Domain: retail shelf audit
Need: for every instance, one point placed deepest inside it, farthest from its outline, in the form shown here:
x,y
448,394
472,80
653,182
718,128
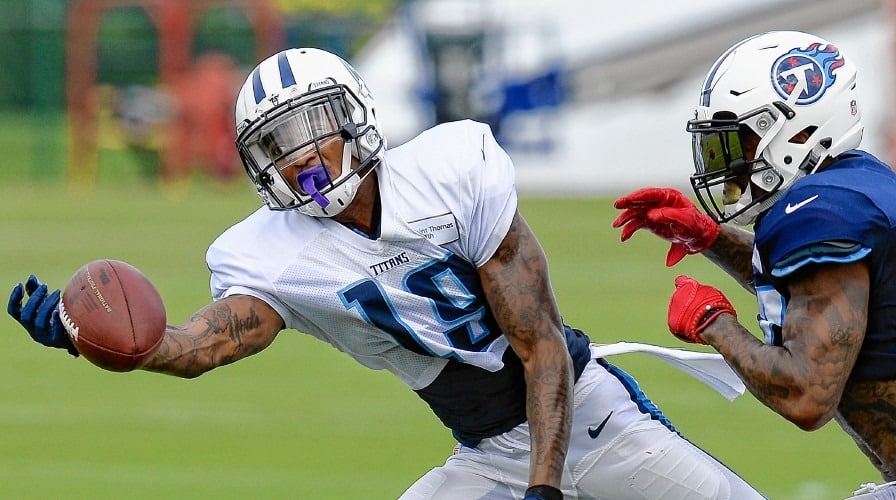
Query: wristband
x,y
709,317
543,492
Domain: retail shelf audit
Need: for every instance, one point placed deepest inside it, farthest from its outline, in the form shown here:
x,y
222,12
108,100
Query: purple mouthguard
x,y
311,181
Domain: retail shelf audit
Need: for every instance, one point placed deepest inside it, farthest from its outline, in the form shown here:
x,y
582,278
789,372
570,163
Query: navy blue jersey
x,y
476,404
843,213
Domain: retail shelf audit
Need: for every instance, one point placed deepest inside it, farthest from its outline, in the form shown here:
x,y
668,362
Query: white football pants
x,y
633,455
871,491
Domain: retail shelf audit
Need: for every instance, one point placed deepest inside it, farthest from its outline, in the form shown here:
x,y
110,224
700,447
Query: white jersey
x,y
410,300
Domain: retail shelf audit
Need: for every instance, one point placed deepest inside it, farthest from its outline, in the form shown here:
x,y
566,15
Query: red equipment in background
x,y
200,93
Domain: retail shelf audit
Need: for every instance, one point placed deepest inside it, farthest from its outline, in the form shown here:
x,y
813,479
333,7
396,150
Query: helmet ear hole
x,y
803,136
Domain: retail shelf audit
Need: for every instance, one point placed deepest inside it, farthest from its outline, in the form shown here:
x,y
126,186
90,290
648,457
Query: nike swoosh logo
x,y
595,431
789,209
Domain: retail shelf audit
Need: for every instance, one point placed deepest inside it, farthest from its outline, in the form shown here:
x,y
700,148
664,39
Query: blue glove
x,y
40,316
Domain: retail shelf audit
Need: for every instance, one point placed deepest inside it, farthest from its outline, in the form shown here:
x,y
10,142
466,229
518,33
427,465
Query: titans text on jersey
x,y
409,302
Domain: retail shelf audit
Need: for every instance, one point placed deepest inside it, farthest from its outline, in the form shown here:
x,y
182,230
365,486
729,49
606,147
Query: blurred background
x,y
116,129
588,98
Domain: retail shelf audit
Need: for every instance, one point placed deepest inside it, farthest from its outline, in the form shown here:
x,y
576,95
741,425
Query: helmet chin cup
x,y
312,181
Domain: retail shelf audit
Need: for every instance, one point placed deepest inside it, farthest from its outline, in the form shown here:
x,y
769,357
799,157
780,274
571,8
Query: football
x,y
113,314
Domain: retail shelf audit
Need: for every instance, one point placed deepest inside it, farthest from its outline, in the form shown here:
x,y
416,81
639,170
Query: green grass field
x,y
301,420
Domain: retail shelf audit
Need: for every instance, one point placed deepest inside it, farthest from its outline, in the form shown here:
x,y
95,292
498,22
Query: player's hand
x,y
694,306
670,215
40,315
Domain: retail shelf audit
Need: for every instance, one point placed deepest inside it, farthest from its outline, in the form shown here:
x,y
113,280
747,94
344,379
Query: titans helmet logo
x,y
802,76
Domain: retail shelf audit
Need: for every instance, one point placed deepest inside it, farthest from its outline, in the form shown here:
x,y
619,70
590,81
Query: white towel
x,y
709,368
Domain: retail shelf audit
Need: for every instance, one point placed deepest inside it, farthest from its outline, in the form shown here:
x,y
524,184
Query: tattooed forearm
x,y
733,252
218,334
225,321
801,383
550,416
803,378
519,293
757,364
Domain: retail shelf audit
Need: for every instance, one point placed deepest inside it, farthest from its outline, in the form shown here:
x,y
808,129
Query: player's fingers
x,y
45,311
683,279
628,215
636,198
59,336
676,252
666,215
658,227
629,229
34,301
671,219
647,197
621,203
14,308
32,284
632,200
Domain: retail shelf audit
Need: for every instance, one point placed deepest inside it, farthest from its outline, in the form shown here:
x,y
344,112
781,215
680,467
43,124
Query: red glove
x,y
694,306
671,216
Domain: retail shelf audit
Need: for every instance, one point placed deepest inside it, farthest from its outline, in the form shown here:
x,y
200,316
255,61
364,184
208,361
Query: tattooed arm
x,y
733,252
867,413
218,334
803,379
519,293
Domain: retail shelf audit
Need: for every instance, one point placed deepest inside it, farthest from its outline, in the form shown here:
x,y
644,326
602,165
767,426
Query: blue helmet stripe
x,y
710,78
257,86
287,79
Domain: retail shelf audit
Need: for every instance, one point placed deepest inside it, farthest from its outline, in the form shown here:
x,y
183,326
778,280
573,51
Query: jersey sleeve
x,y
235,271
493,197
811,226
454,174
836,252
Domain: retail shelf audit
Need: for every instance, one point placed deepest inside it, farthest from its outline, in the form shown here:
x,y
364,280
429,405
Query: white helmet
x,y
292,104
776,85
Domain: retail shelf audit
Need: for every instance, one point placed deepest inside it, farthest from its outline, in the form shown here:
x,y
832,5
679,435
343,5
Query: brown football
x,y
113,314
